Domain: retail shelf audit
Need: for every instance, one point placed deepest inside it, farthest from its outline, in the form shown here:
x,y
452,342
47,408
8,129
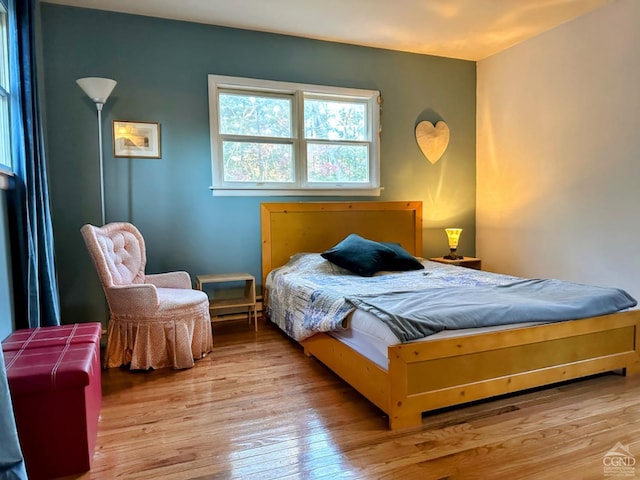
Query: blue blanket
x,y
416,314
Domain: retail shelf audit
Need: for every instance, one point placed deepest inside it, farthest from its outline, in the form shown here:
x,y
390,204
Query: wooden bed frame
x,y
423,376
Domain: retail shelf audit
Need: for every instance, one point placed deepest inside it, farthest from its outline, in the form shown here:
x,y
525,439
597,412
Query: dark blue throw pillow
x,y
359,255
365,257
402,260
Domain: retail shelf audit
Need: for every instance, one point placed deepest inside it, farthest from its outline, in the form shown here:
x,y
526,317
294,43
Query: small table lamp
x,y
453,234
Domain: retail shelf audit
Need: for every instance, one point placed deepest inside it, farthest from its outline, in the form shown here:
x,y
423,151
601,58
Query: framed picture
x,y
136,139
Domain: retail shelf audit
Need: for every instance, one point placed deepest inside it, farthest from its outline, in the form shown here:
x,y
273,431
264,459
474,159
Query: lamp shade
x,y
97,89
453,234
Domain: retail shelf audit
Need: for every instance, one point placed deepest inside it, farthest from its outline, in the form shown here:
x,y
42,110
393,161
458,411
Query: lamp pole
x,y
99,108
98,89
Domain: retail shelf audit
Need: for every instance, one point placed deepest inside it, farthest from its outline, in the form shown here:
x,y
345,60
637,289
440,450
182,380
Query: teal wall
x,y
161,67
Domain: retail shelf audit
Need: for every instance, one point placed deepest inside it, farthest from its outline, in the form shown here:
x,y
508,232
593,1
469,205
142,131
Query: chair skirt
x,y
173,338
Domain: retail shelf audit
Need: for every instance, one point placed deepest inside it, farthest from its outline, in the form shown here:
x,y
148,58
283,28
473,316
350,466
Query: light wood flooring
x,y
258,408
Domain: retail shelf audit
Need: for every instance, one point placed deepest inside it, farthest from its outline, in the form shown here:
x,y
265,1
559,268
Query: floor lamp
x,y
98,90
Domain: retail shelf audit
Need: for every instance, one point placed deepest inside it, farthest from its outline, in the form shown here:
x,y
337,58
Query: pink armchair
x,y
155,321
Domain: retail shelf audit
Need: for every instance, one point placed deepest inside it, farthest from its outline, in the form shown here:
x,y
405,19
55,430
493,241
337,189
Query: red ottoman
x,y
55,382
49,336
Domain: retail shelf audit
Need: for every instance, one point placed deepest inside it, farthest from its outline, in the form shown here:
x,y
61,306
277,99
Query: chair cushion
x,y
171,299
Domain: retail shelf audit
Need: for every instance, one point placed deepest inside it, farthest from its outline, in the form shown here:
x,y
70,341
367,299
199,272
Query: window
x,y
5,132
278,138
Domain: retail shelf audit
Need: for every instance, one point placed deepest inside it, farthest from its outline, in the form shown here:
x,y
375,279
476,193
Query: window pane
x,y
337,163
254,115
332,120
257,162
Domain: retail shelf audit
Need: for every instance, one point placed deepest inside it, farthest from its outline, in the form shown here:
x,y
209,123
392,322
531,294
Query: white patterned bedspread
x,y
307,295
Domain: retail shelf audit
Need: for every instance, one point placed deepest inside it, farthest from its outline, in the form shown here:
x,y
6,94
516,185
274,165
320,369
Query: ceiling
x,y
464,29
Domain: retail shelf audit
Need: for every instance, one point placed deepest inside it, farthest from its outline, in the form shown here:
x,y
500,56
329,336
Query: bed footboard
x,y
430,375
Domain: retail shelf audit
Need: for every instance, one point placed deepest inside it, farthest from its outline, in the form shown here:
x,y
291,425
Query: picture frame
x,y
136,139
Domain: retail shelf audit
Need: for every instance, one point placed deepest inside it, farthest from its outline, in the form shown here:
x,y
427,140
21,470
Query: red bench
x,y
55,382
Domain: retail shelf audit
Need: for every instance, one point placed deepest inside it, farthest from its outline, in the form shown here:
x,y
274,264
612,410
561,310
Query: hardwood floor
x,y
258,408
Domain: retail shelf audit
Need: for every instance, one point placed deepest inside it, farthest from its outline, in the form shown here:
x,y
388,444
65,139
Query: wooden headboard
x,y
289,228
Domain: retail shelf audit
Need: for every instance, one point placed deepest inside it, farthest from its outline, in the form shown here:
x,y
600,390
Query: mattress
x,y
368,336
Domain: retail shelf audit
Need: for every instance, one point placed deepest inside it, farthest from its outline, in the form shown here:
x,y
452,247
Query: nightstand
x,y
247,298
469,262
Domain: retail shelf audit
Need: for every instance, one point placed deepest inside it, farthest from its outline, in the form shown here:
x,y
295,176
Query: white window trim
x,y
221,82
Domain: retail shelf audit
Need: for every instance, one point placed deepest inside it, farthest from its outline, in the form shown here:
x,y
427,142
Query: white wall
x,y
558,153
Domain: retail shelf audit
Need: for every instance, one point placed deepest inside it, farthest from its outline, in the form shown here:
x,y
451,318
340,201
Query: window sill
x,y
302,192
5,176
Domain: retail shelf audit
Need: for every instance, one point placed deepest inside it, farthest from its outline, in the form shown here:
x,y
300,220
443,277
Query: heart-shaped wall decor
x,y
433,141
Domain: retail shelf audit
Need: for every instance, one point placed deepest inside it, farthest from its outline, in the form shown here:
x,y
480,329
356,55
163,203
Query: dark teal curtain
x,y
34,280
35,284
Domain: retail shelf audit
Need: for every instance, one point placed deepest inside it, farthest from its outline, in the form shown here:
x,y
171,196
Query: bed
x,y
441,372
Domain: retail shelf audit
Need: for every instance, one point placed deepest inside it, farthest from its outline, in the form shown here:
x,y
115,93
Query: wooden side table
x,y
247,299
469,262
